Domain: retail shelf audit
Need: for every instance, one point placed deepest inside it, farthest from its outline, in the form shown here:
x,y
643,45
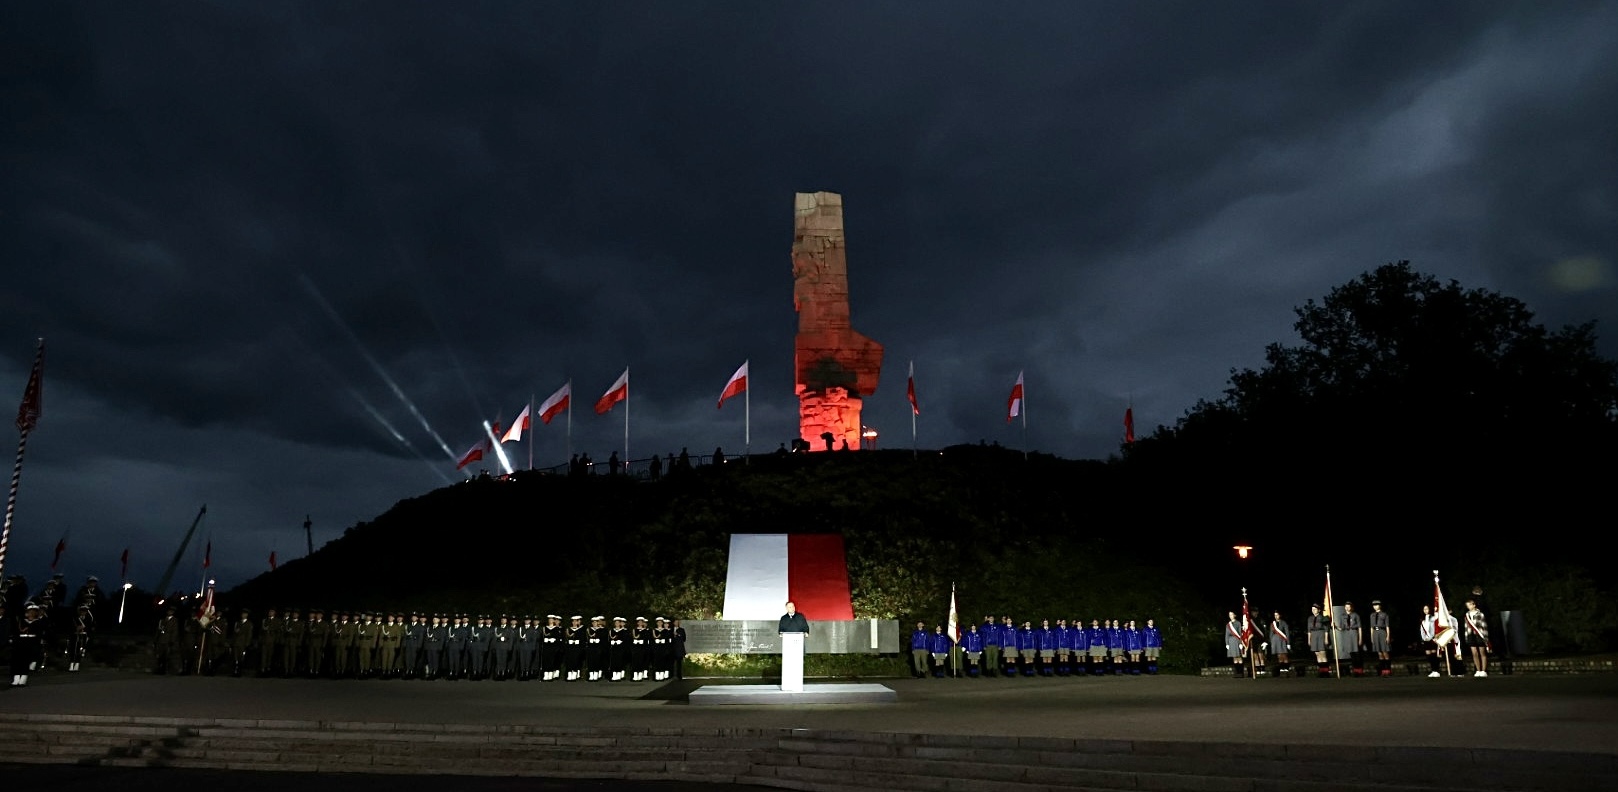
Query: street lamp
x,y
123,599
1242,551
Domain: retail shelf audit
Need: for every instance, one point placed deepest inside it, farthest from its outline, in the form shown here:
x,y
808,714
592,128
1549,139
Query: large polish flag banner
x,y
767,570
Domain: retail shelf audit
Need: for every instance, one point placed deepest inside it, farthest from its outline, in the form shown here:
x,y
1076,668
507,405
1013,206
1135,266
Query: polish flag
x,y
1443,623
737,384
556,403
910,390
767,570
1129,424
518,426
207,556
617,393
61,547
272,560
1014,404
473,454
954,629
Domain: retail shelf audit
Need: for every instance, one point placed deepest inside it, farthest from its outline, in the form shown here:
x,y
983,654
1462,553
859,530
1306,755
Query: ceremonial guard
x,y
1351,636
1429,647
166,642
481,665
504,642
1281,644
677,648
1235,644
1097,636
921,649
596,649
1153,640
640,648
662,644
457,648
991,646
294,632
573,647
388,644
1319,628
345,644
218,645
414,643
84,623
527,648
1379,639
435,641
550,647
316,642
270,631
1134,645
972,651
618,648
28,645
369,644
190,654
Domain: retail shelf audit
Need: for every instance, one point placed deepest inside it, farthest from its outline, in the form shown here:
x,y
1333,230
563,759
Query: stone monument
x,y
836,366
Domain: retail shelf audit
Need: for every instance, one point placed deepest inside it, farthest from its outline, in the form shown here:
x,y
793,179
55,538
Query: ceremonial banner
x,y
767,570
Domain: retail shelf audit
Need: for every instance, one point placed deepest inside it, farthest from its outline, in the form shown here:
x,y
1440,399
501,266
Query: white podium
x,y
792,662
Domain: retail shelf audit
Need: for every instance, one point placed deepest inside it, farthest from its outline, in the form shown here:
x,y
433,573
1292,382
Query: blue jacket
x,y
1097,635
1064,638
1047,638
920,639
973,641
1132,640
990,632
1152,638
941,643
1026,639
1115,638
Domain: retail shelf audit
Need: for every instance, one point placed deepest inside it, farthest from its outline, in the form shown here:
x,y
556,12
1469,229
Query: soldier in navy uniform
x,y
434,641
456,639
1379,639
527,648
596,648
573,647
482,648
551,641
618,648
505,642
27,645
84,622
640,649
415,640
661,644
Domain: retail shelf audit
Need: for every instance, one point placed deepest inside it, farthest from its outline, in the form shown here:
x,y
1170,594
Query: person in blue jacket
x,y
1045,636
972,644
1064,648
1152,641
1028,648
1097,638
1008,647
920,649
1115,646
941,646
1134,644
991,646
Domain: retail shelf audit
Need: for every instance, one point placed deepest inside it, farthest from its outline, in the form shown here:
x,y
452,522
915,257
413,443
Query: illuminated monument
x,y
836,367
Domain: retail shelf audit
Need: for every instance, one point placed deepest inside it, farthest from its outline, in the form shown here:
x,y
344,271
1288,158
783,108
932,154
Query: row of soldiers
x,y
441,646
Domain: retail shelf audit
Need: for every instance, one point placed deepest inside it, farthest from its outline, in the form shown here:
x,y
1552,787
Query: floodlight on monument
x,y
869,435
1243,550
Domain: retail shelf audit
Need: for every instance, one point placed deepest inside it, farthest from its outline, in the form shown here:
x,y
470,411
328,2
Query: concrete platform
x,y
824,693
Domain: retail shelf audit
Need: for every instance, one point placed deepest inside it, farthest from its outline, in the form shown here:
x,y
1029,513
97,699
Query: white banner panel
x,y
756,581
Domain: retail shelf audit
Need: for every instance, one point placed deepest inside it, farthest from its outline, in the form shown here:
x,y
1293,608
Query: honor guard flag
x,y
517,427
28,413
556,403
910,390
1443,623
617,393
1247,622
1014,403
954,619
765,571
737,384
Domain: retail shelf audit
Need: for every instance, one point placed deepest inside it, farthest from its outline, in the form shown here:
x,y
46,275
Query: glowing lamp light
x,y
1243,550
128,586
869,435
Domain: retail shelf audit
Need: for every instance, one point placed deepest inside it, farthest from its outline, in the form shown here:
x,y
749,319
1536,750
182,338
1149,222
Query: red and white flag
x,y
617,393
28,413
1129,424
910,391
272,560
517,427
207,561
1248,630
767,570
556,403
1444,631
61,547
205,611
737,384
954,628
473,454
1014,403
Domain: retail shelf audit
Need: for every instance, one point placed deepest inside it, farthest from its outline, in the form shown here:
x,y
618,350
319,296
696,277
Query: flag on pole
x,y
123,562
1248,630
205,613
207,561
737,384
272,560
617,393
1129,424
474,453
910,390
556,403
1014,403
61,547
28,413
1444,631
518,426
954,620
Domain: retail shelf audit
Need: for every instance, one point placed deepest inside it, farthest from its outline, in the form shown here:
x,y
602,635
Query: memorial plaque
x,y
760,637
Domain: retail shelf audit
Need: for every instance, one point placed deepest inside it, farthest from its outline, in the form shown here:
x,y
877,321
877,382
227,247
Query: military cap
x,y
619,618
661,619
1376,602
598,618
552,616
640,618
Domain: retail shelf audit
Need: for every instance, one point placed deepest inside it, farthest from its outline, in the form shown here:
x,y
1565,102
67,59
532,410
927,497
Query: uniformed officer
x,y
387,646
84,622
242,634
270,631
505,642
596,649
1350,637
166,642
662,648
551,637
482,648
527,648
27,645
1379,639
618,648
294,631
317,643
344,642
1319,627
434,641
573,648
414,644
640,649
457,641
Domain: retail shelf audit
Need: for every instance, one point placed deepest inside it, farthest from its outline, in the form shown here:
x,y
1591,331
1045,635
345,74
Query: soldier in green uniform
x,y
316,642
294,631
241,642
344,640
166,642
387,646
270,631
368,637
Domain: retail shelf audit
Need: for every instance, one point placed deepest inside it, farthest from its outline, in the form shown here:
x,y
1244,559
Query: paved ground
x,y
57,778
1576,713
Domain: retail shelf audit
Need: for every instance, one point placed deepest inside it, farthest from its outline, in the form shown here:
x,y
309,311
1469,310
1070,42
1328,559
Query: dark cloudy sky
x,y
219,214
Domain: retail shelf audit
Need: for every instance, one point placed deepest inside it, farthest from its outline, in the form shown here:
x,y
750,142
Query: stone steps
x,y
787,758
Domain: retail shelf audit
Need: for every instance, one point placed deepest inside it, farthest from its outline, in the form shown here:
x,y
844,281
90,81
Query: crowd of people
x,y
1350,643
362,645
1007,650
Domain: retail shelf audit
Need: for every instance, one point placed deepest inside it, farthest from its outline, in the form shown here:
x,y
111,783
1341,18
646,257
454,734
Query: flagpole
x,y
911,388
747,412
27,415
570,422
530,430
626,420
1336,655
1024,412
